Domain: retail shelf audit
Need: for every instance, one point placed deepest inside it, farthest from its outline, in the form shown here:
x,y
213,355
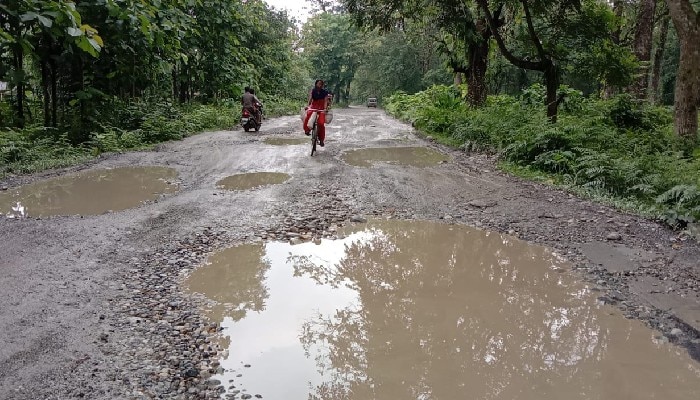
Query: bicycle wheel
x,y
314,139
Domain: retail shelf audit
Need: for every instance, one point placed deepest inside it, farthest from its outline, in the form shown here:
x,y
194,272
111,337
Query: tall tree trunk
x,y
184,80
174,80
608,90
658,60
687,93
552,80
54,91
338,95
45,84
618,7
643,40
18,65
476,75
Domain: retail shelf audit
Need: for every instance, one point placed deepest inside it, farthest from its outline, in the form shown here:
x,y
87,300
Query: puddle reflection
x,y
428,311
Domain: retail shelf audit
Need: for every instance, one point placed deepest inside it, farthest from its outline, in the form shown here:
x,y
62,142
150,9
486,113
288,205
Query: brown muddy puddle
x,y
412,156
91,192
422,310
276,141
252,180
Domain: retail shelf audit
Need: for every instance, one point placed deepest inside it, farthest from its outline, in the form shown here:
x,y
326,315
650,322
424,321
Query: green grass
x,y
614,150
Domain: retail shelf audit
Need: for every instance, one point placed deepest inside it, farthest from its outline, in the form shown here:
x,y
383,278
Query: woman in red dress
x,y
318,102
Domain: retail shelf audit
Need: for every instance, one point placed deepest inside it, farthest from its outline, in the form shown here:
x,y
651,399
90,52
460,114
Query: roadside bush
x,y
38,148
21,151
609,148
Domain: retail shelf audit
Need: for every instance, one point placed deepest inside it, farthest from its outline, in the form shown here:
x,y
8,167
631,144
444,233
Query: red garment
x,y
320,121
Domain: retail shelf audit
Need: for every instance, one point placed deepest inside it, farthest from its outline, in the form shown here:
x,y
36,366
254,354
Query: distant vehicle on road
x,y
372,102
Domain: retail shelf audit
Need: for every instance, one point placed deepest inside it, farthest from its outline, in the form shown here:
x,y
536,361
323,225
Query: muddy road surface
x,y
234,265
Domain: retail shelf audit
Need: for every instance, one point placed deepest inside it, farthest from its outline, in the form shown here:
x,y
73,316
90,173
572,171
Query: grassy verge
x,y
612,150
126,128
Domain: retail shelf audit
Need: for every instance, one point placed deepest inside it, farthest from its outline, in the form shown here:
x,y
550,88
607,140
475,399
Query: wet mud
x,y
90,193
408,309
411,156
252,180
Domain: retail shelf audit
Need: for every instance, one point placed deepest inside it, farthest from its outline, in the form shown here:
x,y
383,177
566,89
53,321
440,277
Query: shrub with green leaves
x,y
614,148
38,148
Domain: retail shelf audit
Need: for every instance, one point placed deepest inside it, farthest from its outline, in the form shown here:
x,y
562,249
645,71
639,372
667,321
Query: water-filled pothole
x,y
413,156
252,180
277,141
422,310
91,192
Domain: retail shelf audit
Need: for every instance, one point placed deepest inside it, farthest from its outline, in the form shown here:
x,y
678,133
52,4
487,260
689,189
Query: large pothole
x,y
277,141
91,192
407,309
252,180
412,156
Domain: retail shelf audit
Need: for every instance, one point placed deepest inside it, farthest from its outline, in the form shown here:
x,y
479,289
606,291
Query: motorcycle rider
x,y
318,101
258,106
250,103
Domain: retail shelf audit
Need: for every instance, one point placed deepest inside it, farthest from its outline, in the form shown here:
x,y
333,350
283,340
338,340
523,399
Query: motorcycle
x,y
250,121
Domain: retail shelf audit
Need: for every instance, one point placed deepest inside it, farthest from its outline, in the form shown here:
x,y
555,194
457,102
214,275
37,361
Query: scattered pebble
x,y
613,236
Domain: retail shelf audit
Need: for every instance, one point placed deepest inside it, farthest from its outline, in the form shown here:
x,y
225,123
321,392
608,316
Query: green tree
x,y
554,34
687,93
37,29
332,46
459,30
400,60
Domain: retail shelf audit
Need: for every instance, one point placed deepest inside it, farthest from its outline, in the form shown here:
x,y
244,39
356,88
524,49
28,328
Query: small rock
x,y
358,219
246,396
482,203
676,332
614,236
214,382
3,188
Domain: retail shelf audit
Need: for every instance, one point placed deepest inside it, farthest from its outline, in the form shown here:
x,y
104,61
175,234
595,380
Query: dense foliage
x,y
615,148
103,75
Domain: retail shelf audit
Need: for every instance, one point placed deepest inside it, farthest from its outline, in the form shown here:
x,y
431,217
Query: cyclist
x,y
318,102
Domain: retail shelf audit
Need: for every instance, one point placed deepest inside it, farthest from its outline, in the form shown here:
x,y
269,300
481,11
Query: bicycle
x,y
314,132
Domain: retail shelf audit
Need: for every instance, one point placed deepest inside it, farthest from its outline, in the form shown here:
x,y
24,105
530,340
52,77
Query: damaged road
x,y
93,305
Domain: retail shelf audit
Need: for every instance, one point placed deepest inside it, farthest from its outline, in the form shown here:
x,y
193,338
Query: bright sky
x,y
296,8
